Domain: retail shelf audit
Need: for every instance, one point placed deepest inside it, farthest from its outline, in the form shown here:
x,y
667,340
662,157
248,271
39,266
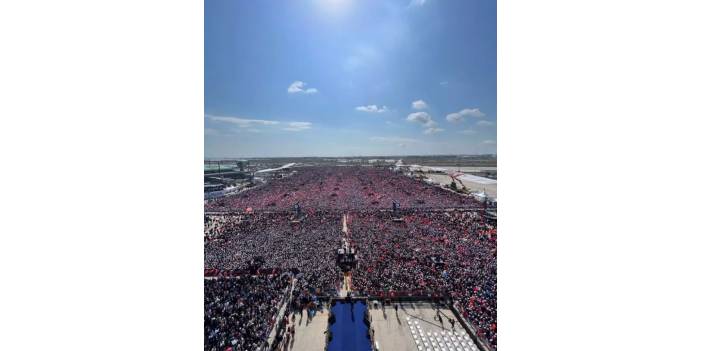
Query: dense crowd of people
x,y
240,312
447,253
440,247
261,241
342,188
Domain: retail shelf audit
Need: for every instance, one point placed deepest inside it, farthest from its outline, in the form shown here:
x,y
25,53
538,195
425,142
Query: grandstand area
x,y
417,263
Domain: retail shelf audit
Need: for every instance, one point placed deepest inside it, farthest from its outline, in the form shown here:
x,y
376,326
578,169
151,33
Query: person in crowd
x,y
239,312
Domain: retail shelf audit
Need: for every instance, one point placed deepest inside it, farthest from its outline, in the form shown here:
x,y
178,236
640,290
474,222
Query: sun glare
x,y
335,7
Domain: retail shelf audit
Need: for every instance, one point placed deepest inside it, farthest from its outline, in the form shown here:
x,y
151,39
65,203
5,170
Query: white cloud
x,y
467,132
299,87
489,142
472,112
444,83
419,105
298,126
425,120
484,123
459,116
433,130
248,124
242,122
454,117
421,118
372,109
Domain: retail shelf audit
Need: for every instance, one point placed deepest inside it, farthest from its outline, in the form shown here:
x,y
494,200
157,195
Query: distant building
x,y
213,187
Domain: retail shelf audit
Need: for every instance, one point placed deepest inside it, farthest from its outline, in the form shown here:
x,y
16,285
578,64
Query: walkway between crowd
x,y
344,228
346,280
281,312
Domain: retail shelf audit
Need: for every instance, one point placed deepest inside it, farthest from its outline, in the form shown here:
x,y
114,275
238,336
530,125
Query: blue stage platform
x,y
349,332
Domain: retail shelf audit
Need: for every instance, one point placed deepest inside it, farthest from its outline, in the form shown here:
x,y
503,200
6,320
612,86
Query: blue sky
x,y
346,78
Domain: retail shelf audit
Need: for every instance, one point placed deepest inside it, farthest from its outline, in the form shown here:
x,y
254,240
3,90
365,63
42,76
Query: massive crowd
x,y
240,312
342,188
439,248
261,241
447,253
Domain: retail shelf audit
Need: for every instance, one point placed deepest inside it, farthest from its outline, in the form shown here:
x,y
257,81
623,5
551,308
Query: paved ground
x,y
346,282
460,169
310,337
344,228
490,189
393,332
